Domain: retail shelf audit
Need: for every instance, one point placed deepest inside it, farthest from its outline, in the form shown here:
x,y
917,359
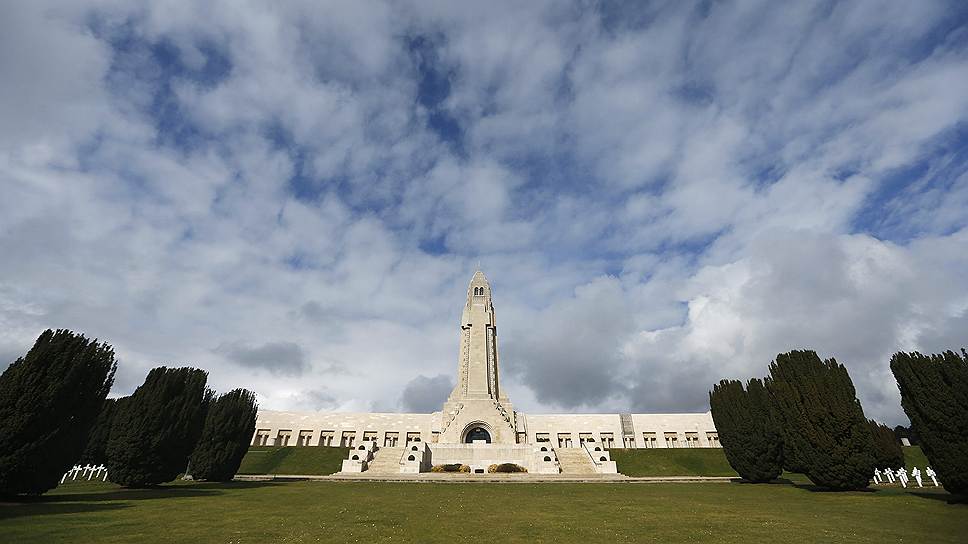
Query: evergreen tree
x,y
792,461
821,419
887,449
157,428
225,439
747,431
49,400
97,439
934,395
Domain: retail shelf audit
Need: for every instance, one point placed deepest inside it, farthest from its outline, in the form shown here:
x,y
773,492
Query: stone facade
x,y
477,424
560,430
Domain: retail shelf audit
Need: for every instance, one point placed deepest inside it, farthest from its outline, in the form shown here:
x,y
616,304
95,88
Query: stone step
x,y
386,461
575,461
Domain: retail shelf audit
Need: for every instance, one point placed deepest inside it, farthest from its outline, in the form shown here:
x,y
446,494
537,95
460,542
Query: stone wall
x,y
392,429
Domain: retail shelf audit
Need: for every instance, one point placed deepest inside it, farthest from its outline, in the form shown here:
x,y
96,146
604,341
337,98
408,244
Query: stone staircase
x,y
386,461
575,461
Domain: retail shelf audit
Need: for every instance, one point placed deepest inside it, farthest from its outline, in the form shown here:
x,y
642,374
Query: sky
x,y
295,195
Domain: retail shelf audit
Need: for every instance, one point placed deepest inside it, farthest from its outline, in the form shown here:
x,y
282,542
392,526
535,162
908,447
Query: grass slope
x,y
638,462
292,460
914,457
672,462
243,512
704,462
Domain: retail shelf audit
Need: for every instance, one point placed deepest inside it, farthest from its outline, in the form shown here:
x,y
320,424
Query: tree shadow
x,y
199,489
940,496
817,489
778,481
125,494
21,509
238,484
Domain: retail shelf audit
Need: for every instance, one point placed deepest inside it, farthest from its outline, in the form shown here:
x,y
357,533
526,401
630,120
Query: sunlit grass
x,y
311,511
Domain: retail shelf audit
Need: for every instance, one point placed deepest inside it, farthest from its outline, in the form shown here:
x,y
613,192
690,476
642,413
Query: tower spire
x,y
478,392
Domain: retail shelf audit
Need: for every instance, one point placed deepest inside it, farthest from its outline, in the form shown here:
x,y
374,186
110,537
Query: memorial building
x,y
478,426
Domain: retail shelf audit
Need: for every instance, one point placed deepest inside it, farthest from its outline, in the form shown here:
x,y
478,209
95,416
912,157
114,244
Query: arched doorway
x,y
477,433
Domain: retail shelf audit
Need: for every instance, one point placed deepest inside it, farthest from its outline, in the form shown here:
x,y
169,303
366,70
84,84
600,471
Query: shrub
x,y
506,468
157,428
887,449
97,439
821,419
747,430
455,467
225,438
934,395
49,401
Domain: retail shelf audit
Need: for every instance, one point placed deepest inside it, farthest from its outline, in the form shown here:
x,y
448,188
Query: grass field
x,y
283,460
421,512
240,512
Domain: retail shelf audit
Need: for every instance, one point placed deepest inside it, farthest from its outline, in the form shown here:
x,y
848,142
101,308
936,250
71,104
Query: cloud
x,y
423,394
314,400
854,298
570,353
279,358
50,79
661,195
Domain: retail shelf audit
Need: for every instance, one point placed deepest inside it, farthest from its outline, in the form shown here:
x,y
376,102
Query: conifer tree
x,y
821,419
747,430
155,431
225,439
97,439
49,400
887,449
934,395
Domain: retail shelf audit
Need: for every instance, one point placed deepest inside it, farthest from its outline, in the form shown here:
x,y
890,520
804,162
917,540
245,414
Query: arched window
x,y
547,458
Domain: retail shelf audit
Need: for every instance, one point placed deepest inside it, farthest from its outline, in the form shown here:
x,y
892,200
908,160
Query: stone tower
x,y
477,407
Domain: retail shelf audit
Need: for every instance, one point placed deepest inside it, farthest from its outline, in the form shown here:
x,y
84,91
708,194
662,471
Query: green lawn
x,y
672,462
704,462
243,512
914,457
292,460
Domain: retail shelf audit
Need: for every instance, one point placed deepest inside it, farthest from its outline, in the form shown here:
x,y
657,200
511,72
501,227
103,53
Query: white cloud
x,y
660,198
